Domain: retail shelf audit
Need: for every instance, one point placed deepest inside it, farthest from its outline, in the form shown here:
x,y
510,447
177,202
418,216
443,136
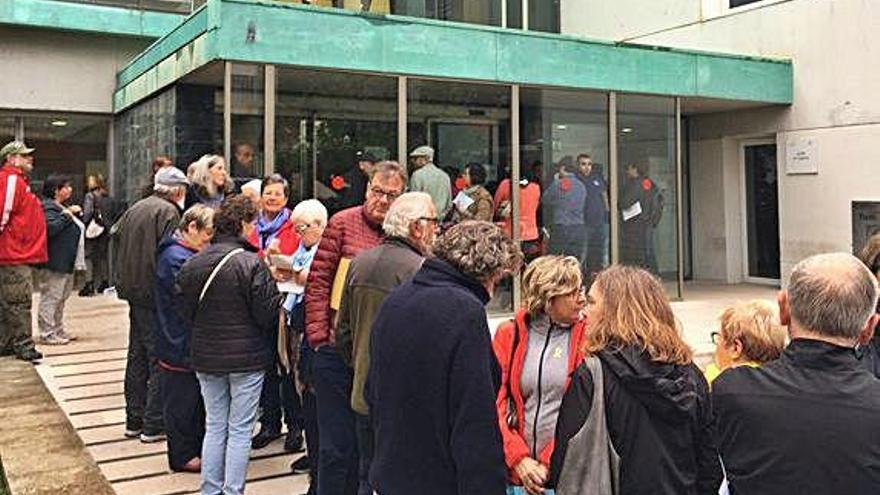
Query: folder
x,y
339,284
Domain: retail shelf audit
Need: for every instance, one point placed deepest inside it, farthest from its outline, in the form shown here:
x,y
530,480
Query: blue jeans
x,y
231,401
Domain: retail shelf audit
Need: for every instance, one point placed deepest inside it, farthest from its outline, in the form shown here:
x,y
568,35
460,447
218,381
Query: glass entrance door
x,y
762,212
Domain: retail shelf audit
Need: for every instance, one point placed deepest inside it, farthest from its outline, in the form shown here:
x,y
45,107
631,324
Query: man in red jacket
x,y
348,233
22,244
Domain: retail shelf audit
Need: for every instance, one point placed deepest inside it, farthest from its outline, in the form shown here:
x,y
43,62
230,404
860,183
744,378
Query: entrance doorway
x,y
761,205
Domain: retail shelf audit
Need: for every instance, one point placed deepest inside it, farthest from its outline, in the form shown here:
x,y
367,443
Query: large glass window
x,y
142,132
199,115
7,128
564,167
468,127
70,144
323,120
248,106
648,195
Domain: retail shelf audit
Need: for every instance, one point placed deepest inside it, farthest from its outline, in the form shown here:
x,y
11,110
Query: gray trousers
x,y
54,288
16,288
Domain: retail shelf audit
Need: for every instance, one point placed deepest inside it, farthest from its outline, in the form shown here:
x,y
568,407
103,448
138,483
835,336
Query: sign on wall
x,y
865,222
801,156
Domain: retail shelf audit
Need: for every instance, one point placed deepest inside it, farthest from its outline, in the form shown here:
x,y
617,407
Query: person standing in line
x,y
529,201
64,233
160,162
809,422
309,218
95,215
230,301
636,419
352,185
183,408
276,235
596,215
410,227
433,377
538,350
22,244
565,197
480,206
641,207
137,234
349,232
210,182
427,177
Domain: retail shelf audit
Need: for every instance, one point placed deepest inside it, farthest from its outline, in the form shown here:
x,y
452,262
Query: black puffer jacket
x,y
233,325
660,421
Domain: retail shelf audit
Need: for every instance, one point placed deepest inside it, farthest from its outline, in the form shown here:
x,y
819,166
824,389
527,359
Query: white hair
x,y
408,208
309,211
199,173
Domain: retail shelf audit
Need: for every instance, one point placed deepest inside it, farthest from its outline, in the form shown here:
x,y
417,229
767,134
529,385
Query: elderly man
x,y
348,233
22,244
809,422
428,178
433,376
410,227
137,235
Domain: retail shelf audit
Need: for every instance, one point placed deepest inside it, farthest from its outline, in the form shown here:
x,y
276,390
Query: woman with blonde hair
x,y
750,335
538,350
210,181
636,418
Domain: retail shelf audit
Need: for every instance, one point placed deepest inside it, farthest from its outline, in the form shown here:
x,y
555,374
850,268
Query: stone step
x,y
95,419
124,449
93,379
91,392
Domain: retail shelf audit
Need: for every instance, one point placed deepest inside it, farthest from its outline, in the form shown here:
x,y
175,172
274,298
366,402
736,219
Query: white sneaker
x,y
54,340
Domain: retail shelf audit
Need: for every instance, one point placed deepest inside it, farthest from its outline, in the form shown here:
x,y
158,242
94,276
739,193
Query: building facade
x,y
522,87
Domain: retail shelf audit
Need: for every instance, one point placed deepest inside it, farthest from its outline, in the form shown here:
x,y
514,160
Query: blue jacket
x,y
172,334
431,389
63,238
566,197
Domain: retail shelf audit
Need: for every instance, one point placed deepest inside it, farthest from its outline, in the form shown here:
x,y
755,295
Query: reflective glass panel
x,y
647,185
248,107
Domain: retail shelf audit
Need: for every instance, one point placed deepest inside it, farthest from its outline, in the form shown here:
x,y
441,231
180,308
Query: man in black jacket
x,y
433,376
809,422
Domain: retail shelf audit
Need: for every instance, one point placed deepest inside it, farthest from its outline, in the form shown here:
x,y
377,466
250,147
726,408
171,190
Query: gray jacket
x,y
371,276
136,237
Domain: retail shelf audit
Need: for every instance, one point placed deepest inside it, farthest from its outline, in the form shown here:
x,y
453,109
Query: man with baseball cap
x,y
428,178
22,244
137,235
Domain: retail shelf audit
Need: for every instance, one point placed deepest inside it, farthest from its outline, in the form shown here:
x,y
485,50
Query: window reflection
x,y
248,107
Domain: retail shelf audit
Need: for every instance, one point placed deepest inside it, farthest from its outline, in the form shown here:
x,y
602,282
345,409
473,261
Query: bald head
x,y
832,295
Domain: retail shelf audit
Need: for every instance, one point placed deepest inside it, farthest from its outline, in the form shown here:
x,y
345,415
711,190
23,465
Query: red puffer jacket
x,y
348,233
515,448
22,223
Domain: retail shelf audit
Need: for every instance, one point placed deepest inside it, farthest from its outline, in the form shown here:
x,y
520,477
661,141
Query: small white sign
x,y
801,156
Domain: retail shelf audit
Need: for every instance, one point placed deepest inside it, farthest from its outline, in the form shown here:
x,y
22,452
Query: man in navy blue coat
x,y
433,376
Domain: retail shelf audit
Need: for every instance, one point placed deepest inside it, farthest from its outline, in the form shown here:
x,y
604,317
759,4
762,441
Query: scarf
x,y
267,230
302,260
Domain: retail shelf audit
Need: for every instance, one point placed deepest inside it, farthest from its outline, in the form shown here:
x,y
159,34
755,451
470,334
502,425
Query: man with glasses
x,y
348,233
410,227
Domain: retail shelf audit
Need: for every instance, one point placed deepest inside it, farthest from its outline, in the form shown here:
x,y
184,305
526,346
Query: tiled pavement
x,y
86,378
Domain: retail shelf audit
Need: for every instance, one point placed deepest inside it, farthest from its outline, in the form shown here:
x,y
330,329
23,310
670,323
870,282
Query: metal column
x,y
613,182
514,182
269,120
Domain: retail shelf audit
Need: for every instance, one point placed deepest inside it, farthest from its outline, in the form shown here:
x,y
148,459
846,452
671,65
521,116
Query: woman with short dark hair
x,y
55,278
474,202
230,301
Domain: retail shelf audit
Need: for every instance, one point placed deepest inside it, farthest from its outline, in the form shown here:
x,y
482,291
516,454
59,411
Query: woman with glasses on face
x,y
537,352
637,417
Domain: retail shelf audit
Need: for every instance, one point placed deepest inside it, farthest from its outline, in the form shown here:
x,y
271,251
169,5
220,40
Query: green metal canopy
x,y
298,35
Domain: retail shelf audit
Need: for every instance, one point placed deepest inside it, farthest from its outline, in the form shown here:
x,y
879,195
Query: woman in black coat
x,y
230,301
654,434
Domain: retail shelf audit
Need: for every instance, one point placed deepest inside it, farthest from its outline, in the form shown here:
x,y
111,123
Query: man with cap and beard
x,y
22,244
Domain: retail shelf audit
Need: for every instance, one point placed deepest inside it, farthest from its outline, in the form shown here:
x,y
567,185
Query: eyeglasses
x,y
302,227
391,195
713,336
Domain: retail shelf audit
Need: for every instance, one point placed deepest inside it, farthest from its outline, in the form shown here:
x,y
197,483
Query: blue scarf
x,y
267,230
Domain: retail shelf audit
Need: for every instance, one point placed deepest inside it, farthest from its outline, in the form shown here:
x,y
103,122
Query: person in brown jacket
x,y
474,202
348,233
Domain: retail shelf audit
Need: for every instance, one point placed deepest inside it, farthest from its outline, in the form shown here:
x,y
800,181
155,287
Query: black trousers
x,y
143,402
184,414
365,453
338,461
309,414
279,396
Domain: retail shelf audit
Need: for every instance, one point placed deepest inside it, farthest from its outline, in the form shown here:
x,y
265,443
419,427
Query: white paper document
x,y
632,212
462,201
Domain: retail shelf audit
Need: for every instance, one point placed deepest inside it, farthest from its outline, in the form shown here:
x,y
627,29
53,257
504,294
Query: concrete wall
x,y
621,19
62,71
835,102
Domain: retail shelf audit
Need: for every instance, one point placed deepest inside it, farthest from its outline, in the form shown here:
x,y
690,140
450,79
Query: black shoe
x,y
88,290
293,442
29,354
264,438
301,466
101,288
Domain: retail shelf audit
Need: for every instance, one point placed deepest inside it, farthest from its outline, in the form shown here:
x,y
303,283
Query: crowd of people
x,y
365,336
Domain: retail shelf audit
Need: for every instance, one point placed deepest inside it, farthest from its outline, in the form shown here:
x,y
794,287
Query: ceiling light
x,y
59,123
626,130
562,127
